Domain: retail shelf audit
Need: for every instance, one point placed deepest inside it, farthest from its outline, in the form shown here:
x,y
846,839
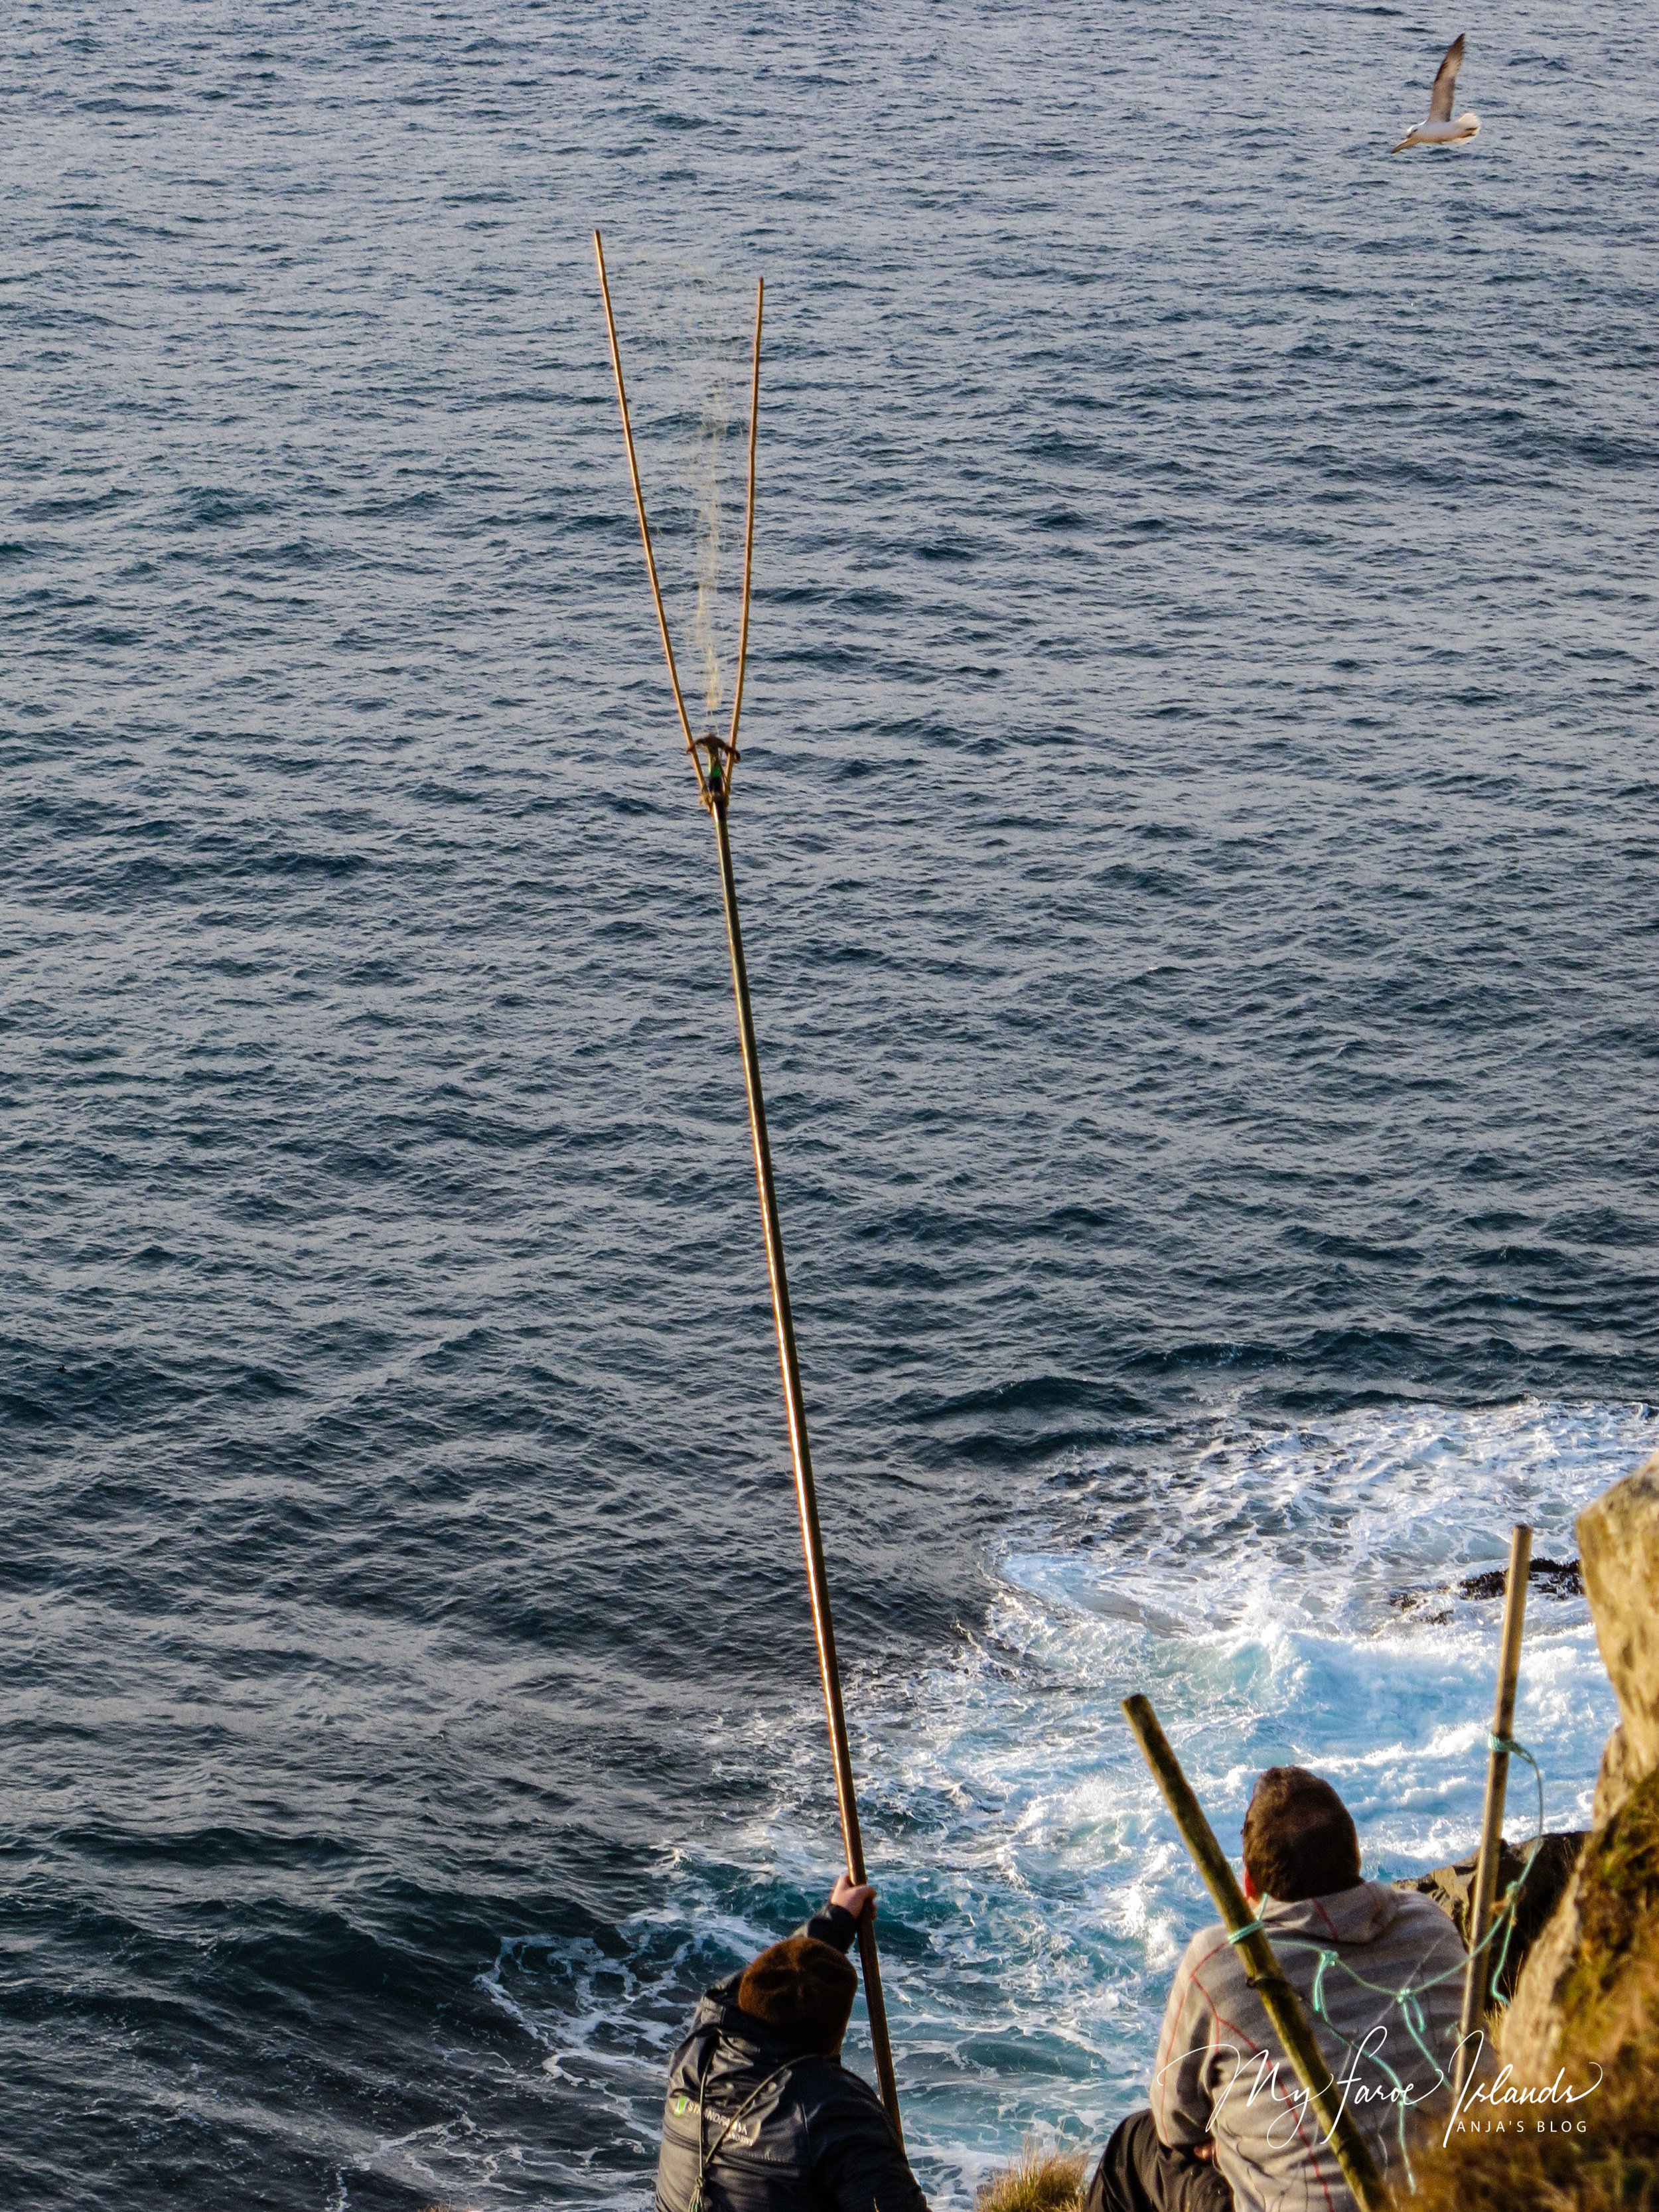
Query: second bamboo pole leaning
x,y
1476,1978
1278,2000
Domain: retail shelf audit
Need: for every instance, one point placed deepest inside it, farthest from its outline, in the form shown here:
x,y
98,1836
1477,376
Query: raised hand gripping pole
x,y
714,787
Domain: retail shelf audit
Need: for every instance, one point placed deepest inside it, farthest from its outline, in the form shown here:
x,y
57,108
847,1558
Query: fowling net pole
x,y
714,759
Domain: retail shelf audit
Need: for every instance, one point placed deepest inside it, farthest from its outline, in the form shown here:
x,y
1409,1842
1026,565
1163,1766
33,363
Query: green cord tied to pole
x,y
1408,2001
1512,1749
1506,1913
1351,2151
1483,1895
1264,1974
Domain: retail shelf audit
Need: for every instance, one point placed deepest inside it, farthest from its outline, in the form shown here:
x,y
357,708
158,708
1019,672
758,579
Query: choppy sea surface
x,y
1196,835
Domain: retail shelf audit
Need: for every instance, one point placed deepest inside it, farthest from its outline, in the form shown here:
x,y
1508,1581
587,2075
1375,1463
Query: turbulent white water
x,y
1287,1596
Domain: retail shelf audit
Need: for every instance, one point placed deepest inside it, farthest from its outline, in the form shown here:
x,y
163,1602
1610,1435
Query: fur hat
x,y
802,1989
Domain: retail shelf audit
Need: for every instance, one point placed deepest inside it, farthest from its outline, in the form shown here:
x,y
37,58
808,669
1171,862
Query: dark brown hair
x,y
1299,1839
803,1990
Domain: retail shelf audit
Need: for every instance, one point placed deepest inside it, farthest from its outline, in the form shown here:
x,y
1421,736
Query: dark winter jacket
x,y
783,2130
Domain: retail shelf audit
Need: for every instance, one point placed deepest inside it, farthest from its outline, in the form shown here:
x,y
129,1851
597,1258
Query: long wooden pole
x,y
801,1453
714,789
1491,1821
1278,1999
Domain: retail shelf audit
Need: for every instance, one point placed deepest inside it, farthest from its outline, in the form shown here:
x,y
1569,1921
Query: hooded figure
x,y
762,2115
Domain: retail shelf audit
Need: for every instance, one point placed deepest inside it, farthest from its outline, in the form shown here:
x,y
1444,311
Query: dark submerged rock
x,y
1541,1866
1549,1577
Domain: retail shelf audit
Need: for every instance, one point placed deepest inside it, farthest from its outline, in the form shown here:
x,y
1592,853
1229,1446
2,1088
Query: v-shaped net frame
x,y
714,778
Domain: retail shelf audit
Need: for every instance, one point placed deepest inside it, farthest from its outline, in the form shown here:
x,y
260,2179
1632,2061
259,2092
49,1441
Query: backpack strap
x,y
707,2152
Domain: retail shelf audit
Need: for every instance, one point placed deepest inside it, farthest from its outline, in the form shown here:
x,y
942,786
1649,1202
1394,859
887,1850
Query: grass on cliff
x,y
1038,2181
1610,2020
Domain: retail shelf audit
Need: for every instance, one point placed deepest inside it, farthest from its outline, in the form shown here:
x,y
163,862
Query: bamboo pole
x,y
1498,1775
806,1491
715,790
1278,1999
639,503
748,522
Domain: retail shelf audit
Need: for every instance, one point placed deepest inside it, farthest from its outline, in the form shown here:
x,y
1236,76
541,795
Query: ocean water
x,y
1197,841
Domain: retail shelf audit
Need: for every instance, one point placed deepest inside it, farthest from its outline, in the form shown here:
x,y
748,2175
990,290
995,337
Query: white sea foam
x,y
1285,1596
1281,1596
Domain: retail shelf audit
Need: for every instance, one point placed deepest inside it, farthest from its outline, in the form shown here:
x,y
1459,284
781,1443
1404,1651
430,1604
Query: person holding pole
x,y
762,2115
1228,2126
714,759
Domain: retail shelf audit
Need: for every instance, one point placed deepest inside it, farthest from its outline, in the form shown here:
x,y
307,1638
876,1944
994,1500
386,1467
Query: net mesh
x,y
686,334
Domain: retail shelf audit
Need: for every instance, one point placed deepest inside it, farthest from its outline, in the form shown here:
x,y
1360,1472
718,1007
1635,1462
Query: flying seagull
x,y
1441,128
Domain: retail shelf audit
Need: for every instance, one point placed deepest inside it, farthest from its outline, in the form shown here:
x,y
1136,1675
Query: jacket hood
x,y
1358,1915
745,2039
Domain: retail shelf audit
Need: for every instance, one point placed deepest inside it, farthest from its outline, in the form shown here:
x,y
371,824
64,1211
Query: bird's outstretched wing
x,y
1445,83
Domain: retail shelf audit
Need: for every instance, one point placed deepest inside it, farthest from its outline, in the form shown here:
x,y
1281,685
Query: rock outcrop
x,y
1619,1545
1619,1534
1576,2127
1542,1866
